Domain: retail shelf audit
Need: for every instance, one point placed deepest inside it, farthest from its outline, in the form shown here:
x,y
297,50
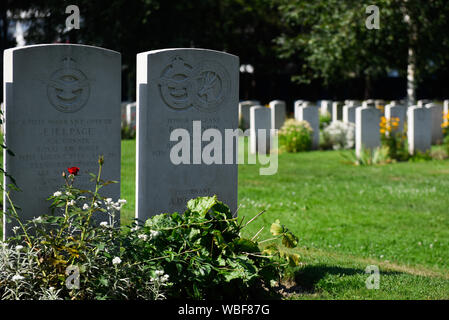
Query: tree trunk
x,y
411,82
411,60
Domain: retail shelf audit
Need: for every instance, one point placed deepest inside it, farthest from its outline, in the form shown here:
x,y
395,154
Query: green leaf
x,y
276,228
289,240
245,245
202,204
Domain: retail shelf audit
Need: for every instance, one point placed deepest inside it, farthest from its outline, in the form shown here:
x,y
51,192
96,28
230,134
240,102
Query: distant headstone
x,y
353,102
446,107
349,113
123,112
278,114
418,129
326,107
337,111
436,118
131,115
296,105
369,103
183,94
260,125
62,109
423,102
311,115
397,111
244,107
367,135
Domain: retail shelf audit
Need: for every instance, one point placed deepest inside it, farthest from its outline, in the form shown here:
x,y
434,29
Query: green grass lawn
x,y
347,217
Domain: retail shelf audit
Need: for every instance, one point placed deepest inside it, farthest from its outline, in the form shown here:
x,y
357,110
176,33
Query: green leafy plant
x,y
325,120
198,254
394,140
295,136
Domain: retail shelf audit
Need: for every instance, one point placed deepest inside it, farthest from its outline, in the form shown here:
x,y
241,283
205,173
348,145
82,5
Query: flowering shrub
x,y
199,254
395,142
339,135
295,136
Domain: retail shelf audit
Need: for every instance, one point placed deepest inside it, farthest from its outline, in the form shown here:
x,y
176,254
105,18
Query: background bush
x,y
295,136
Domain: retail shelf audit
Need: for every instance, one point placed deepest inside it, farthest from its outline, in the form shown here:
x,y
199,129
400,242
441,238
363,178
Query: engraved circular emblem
x,y
175,84
211,86
68,88
205,87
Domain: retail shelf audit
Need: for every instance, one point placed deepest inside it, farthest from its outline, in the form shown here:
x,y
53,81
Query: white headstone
x,y
244,107
418,129
181,94
131,115
367,128
446,107
62,109
326,107
436,116
278,114
260,125
123,111
337,111
311,115
397,111
349,113
423,102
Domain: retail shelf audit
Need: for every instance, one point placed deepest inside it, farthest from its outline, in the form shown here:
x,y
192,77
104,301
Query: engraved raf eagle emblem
x,y
68,88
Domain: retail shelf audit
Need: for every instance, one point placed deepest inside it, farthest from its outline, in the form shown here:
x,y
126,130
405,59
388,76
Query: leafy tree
x,y
332,38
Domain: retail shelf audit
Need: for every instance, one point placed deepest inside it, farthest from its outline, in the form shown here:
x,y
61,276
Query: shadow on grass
x,y
307,277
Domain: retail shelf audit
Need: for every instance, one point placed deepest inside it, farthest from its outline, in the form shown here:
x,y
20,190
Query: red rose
x,y
73,170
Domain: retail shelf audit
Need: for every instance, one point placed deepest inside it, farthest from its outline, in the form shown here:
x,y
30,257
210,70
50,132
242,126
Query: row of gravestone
x,y
62,109
424,120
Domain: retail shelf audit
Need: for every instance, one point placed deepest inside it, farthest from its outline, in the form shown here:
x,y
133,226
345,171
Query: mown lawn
x,y
347,217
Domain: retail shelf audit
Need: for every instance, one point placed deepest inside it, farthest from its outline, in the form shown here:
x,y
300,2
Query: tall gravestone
x,y
446,107
62,109
123,112
310,114
278,114
337,111
367,128
244,107
183,94
326,108
349,113
419,133
436,120
397,111
296,105
260,125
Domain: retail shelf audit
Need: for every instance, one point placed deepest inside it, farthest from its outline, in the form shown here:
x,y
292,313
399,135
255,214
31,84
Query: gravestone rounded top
x,y
190,77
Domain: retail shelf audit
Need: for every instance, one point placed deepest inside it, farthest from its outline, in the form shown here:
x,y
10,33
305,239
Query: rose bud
x,y
73,170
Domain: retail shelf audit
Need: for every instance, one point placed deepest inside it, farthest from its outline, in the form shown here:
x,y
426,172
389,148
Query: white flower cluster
x,y
341,134
160,276
111,205
116,261
153,235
